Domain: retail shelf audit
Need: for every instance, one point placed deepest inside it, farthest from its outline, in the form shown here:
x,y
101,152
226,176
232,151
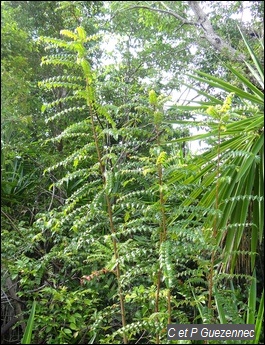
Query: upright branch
x,y
110,214
163,224
93,107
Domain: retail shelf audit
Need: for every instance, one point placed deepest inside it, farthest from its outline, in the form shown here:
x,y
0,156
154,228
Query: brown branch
x,y
13,293
8,325
210,35
167,11
12,223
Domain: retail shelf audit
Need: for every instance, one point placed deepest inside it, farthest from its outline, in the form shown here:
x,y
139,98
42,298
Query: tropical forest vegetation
x,y
132,169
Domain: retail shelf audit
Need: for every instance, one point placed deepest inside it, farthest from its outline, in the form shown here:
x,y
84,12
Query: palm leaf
x,y
28,331
259,320
240,153
255,60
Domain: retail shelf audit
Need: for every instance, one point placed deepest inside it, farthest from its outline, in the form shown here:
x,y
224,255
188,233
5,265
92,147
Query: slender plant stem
x,y
215,218
163,235
169,306
112,228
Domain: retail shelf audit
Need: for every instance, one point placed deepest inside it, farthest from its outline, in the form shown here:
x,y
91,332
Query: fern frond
x,y
79,155
55,103
62,114
58,84
57,60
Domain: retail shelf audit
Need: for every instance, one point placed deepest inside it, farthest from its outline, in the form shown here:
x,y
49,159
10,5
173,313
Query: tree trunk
x,y
203,23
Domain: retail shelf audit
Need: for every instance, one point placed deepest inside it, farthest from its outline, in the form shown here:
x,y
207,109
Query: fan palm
x,y
230,174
